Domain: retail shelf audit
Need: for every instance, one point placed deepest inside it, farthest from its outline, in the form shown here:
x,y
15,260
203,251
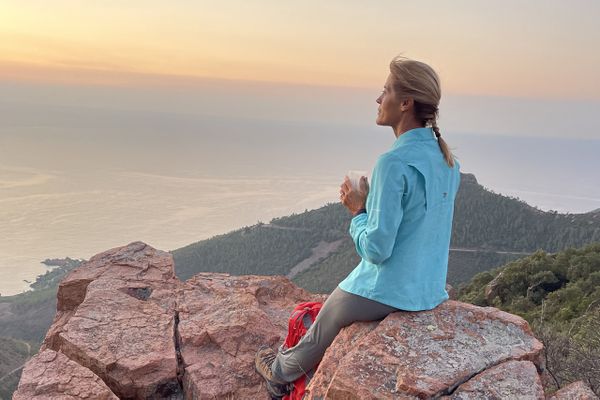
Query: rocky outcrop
x,y
508,380
127,328
427,354
492,289
125,319
574,391
52,375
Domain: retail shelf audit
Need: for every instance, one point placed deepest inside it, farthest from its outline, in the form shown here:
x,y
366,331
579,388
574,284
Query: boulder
x,y
574,391
507,380
126,319
423,354
223,320
127,328
52,376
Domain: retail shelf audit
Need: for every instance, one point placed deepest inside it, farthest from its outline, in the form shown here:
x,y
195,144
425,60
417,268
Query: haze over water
x,y
80,180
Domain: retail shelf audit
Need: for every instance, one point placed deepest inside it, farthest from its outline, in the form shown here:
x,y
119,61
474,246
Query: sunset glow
x,y
538,49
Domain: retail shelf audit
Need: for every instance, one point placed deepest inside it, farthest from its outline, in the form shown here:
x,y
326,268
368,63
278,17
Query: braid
x,y
448,156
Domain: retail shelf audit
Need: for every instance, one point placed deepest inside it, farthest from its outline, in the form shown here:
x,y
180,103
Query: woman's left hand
x,y
352,198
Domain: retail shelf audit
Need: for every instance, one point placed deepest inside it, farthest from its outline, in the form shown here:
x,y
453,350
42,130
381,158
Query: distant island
x,y
62,262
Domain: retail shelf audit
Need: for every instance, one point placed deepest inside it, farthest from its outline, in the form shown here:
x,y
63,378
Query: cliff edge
x,y
127,328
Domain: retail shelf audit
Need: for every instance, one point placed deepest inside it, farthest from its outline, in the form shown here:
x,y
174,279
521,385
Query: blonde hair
x,y
420,82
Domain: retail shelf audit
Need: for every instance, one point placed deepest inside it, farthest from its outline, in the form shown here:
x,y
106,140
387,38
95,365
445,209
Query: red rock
x,y
345,340
223,320
136,261
130,325
508,380
452,294
147,335
117,317
52,376
574,391
126,341
427,353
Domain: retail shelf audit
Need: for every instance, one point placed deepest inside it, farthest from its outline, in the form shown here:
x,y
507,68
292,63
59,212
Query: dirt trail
x,y
20,366
285,228
490,251
322,250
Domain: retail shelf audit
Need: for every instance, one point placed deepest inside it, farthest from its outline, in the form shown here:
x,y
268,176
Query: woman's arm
x,y
374,232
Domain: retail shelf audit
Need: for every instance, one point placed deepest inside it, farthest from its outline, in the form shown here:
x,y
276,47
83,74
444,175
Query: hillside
x,y
24,321
559,295
12,357
487,220
489,230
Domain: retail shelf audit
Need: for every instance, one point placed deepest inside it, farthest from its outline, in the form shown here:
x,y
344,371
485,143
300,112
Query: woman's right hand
x,y
354,199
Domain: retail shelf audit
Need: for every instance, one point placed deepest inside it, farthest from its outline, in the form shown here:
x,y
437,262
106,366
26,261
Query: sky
x,y
507,67
539,48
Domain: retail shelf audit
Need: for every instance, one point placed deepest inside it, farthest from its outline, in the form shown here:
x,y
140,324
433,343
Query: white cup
x,y
354,177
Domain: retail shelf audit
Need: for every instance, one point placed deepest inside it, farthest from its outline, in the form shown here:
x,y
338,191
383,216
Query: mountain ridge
x,y
494,229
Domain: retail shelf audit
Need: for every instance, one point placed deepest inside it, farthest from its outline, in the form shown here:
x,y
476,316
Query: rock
x,y
52,376
223,320
492,288
128,342
423,354
508,380
146,335
574,391
468,178
451,292
109,320
347,339
127,327
136,261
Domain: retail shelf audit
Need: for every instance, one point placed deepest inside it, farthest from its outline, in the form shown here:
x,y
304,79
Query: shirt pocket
x,y
437,189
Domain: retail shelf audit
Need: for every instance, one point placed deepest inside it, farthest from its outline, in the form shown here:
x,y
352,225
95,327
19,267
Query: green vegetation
x,y
24,321
559,295
462,265
324,276
262,249
486,220
565,283
13,355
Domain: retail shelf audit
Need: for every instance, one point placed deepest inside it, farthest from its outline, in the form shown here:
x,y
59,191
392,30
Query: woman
x,y
401,226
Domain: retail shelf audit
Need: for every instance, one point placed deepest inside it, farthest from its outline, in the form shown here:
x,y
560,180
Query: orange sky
x,y
543,48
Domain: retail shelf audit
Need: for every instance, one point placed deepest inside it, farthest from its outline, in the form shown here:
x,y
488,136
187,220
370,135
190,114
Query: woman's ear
x,y
407,104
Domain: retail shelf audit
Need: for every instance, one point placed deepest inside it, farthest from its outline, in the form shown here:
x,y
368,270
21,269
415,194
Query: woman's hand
x,y
354,199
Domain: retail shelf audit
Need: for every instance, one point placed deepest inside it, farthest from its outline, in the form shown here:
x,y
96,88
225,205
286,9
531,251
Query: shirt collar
x,y
414,135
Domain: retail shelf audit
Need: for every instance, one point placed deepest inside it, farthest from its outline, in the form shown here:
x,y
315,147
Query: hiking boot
x,y
263,362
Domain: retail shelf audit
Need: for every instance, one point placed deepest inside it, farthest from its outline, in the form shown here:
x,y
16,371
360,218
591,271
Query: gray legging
x,y
340,309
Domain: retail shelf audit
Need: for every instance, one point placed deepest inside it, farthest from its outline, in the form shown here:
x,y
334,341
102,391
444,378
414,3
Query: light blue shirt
x,y
404,238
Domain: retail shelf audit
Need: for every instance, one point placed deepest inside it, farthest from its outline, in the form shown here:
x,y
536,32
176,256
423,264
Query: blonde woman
x,y
400,226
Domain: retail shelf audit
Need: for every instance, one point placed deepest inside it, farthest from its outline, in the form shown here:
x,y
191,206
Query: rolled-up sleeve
x,y
374,232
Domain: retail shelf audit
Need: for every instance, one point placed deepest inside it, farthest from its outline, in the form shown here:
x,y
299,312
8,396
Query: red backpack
x,y
301,319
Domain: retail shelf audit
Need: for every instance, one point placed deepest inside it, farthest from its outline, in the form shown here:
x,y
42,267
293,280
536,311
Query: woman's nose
x,y
378,100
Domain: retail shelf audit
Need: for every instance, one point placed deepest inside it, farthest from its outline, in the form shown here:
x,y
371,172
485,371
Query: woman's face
x,y
389,112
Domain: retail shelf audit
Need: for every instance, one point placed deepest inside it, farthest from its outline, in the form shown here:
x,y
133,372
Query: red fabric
x,y
296,330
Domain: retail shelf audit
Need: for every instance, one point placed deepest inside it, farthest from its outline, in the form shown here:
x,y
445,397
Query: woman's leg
x,y
340,309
